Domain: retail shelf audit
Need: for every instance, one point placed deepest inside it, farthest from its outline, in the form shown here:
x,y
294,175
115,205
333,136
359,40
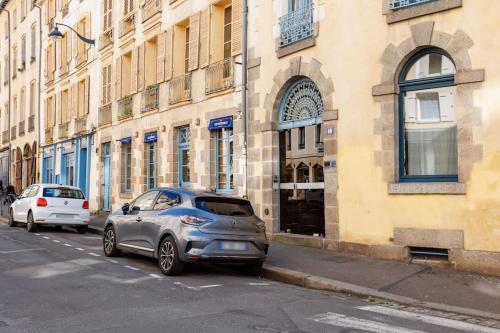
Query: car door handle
x,y
138,219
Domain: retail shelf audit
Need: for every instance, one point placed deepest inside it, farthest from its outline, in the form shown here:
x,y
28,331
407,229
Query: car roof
x,y
196,193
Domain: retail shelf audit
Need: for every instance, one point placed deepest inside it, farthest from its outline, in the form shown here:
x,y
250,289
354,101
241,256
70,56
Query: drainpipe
x,y
39,84
244,85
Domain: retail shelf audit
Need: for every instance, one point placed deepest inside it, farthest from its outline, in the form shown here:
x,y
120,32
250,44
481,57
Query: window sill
x,y
421,10
295,47
427,188
125,195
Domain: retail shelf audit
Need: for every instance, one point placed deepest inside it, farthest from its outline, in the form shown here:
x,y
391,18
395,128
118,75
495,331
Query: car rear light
x,y
41,202
194,220
85,205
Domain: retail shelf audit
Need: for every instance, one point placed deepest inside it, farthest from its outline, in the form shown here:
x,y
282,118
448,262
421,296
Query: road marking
x,y
132,268
444,322
259,284
79,249
156,276
182,285
66,244
56,241
94,254
23,250
38,234
340,320
113,261
209,286
46,237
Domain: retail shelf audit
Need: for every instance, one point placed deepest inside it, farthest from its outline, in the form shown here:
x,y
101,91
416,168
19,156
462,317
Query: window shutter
x,y
46,118
446,106
109,84
75,41
140,70
236,27
133,72
74,100
53,112
118,80
87,30
205,38
168,53
160,62
410,107
59,107
104,78
68,49
87,95
46,68
59,47
110,14
105,16
194,41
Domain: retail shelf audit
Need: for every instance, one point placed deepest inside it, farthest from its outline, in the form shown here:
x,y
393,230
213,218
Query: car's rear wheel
x,y
168,257
81,230
109,243
254,269
31,226
12,223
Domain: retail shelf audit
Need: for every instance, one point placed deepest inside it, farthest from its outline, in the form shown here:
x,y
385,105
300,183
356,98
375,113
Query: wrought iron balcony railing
x,y
80,125
5,136
127,24
31,123
296,25
49,135
126,107
63,130
151,7
105,39
22,127
219,76
398,4
13,132
105,113
150,98
180,89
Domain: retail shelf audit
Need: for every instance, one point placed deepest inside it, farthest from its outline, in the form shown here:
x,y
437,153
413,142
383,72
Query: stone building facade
x,y
19,62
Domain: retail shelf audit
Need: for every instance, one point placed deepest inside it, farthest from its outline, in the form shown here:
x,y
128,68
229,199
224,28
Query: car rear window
x,y
224,206
62,192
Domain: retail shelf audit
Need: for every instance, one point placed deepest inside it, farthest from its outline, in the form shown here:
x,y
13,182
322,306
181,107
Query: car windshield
x,y
224,206
62,192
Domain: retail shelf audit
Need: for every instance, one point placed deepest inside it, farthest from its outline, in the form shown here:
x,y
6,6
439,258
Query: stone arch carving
x,y
467,80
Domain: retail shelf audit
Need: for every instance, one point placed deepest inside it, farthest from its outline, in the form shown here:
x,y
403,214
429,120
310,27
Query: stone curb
x,y
320,283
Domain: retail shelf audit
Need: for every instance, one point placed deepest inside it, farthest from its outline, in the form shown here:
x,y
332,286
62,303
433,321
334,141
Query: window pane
x,y
430,65
145,201
225,206
428,106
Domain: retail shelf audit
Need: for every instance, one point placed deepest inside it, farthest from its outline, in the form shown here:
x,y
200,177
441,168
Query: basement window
x,y
428,253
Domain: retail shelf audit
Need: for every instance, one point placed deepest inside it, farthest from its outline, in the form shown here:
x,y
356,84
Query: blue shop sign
x,y
151,137
126,140
219,123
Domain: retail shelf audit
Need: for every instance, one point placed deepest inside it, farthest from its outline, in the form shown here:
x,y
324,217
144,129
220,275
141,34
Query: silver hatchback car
x,y
177,226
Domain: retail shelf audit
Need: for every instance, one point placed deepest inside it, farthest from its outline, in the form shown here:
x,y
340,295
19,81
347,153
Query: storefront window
x,y
49,170
428,140
183,144
224,159
70,169
151,164
126,166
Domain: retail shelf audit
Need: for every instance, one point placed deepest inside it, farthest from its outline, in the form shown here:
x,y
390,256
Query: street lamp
x,y
55,33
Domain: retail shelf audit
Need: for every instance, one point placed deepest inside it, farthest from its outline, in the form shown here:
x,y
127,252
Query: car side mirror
x,y
135,209
126,209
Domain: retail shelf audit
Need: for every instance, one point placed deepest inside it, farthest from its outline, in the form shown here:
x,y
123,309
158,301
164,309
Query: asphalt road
x,y
59,281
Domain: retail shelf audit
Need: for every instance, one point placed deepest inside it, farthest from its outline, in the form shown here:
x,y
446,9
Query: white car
x,y
50,204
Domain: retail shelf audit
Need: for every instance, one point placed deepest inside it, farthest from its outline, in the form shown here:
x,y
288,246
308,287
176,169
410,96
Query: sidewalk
x,y
441,289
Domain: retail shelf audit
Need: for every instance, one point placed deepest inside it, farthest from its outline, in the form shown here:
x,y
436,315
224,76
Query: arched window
x,y
427,121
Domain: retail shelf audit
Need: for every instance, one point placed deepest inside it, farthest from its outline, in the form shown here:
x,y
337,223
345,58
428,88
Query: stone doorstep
x,y
304,280
300,240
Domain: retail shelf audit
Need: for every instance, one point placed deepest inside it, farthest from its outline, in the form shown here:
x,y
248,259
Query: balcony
x,y
80,125
180,89
49,135
126,107
150,9
105,39
219,76
127,24
22,127
13,132
296,26
5,136
31,123
150,98
398,4
105,113
63,130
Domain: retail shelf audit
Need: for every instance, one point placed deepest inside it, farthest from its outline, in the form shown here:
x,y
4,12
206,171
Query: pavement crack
x,y
392,284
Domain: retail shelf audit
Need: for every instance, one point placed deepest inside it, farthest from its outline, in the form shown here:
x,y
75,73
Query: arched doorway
x,y
18,171
302,207
32,168
27,157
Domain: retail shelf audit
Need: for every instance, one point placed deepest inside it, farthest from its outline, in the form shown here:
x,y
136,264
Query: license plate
x,y
234,246
64,216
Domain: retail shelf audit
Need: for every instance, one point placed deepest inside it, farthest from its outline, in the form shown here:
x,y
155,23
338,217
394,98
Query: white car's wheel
x,y
31,226
12,223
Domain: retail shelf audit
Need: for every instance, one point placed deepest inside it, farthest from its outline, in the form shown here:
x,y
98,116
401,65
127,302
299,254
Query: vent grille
x,y
429,253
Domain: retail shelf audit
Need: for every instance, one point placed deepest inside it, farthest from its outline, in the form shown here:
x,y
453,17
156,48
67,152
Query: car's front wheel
x,y
168,257
109,243
31,226
12,223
